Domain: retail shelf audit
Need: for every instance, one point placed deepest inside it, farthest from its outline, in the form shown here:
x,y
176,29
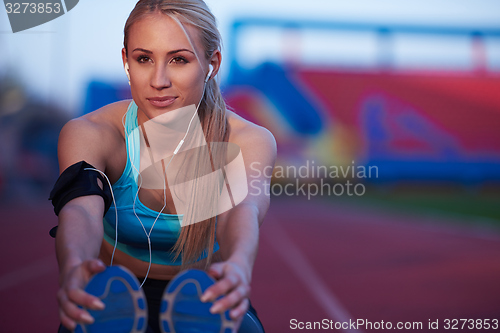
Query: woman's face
x,y
164,72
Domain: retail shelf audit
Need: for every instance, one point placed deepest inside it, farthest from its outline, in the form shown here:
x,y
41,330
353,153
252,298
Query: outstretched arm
x,y
80,230
238,228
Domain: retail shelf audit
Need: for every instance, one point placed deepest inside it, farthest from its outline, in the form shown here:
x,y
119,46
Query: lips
x,y
161,102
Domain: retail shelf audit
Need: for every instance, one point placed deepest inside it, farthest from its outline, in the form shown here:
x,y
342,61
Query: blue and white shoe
x,y
182,311
126,306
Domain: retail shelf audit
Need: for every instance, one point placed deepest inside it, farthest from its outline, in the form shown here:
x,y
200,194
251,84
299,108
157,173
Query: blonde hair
x,y
195,238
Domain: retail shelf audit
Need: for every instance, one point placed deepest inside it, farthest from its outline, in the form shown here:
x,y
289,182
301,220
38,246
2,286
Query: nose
x,y
160,79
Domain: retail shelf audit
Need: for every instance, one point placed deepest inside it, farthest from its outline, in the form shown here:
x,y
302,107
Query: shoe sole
x,y
126,306
182,311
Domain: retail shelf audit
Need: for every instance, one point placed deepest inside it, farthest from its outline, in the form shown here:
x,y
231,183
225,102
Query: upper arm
x,y
82,140
258,149
259,155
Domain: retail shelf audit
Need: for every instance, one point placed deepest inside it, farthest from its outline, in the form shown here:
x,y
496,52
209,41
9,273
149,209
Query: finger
x,y
216,270
94,266
66,321
242,308
222,287
85,299
231,300
74,313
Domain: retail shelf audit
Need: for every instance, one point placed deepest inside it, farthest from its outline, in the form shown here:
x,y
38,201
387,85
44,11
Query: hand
x,y
71,294
234,283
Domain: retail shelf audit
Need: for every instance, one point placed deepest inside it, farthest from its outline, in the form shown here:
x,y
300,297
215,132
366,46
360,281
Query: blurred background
x,y
409,90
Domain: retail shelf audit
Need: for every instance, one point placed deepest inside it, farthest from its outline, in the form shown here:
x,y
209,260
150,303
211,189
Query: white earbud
x,y
127,71
210,70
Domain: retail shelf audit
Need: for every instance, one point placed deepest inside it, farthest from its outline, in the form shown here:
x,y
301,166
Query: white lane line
x,y
305,272
28,272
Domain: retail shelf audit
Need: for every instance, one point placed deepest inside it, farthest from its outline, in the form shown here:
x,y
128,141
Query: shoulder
x,y
245,133
91,136
256,142
101,120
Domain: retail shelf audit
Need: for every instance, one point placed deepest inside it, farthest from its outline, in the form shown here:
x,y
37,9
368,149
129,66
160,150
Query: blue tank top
x,y
131,237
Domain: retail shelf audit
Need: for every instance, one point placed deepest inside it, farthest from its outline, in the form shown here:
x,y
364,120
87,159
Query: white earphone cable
x,y
139,181
116,211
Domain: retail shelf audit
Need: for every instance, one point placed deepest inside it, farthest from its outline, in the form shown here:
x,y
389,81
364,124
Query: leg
x,y
154,292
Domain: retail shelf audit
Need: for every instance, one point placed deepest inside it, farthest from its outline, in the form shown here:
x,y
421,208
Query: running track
x,y
317,259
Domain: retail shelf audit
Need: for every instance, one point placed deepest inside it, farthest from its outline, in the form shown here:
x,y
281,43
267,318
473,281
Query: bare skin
x,y
99,139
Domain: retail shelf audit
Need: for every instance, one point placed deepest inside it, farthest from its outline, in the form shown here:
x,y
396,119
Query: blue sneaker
x,y
126,306
182,311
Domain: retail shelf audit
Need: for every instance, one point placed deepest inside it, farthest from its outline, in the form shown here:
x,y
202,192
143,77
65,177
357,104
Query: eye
x,y
179,60
142,59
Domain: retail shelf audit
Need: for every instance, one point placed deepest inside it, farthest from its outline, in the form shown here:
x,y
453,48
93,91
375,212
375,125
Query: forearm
x,y
239,239
79,237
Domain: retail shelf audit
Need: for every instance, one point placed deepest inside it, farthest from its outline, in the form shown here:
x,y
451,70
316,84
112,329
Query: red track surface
x,y
317,260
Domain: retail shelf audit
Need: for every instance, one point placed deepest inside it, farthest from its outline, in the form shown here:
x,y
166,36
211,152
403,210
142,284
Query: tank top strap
x,y
133,139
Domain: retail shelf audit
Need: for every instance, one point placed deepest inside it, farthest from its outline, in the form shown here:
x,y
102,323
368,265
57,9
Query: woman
x,y
171,54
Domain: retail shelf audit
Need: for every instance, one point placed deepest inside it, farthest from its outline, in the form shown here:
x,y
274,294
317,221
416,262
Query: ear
x,y
126,65
215,61
124,56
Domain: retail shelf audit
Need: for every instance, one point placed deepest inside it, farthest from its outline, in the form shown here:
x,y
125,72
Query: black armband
x,y
76,182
